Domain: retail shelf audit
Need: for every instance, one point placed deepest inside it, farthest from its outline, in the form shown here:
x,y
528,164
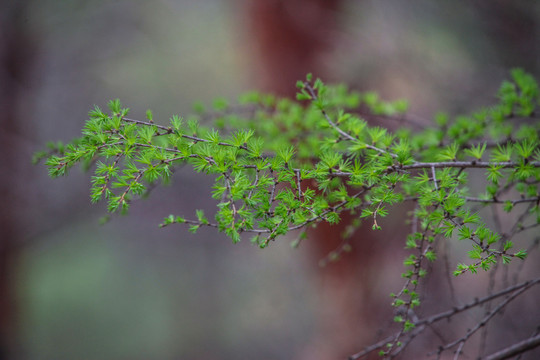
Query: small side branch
x,y
434,178
483,322
345,135
516,349
422,323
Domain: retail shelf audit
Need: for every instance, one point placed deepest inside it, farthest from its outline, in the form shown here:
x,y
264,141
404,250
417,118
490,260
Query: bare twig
x,y
420,324
515,349
486,318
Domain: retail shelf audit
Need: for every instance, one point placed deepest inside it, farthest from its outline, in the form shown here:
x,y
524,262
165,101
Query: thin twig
x,y
169,130
486,318
434,178
515,349
346,135
448,314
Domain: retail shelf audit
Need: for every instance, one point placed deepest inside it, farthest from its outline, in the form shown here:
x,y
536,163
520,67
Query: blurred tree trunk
x,y
290,38
16,53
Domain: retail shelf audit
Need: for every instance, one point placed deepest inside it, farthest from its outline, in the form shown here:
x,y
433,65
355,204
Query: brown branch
x,y
485,319
498,201
465,164
169,130
346,135
420,324
515,349
476,302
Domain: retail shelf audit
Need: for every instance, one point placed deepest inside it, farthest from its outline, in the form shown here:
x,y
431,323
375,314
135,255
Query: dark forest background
x,y
72,289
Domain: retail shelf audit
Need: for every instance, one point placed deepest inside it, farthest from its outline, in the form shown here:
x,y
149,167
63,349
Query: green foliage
x,y
281,165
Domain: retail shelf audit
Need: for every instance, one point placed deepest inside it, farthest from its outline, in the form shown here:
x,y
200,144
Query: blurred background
x,y
71,288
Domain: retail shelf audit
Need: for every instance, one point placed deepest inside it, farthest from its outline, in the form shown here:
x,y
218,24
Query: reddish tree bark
x,y
289,38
